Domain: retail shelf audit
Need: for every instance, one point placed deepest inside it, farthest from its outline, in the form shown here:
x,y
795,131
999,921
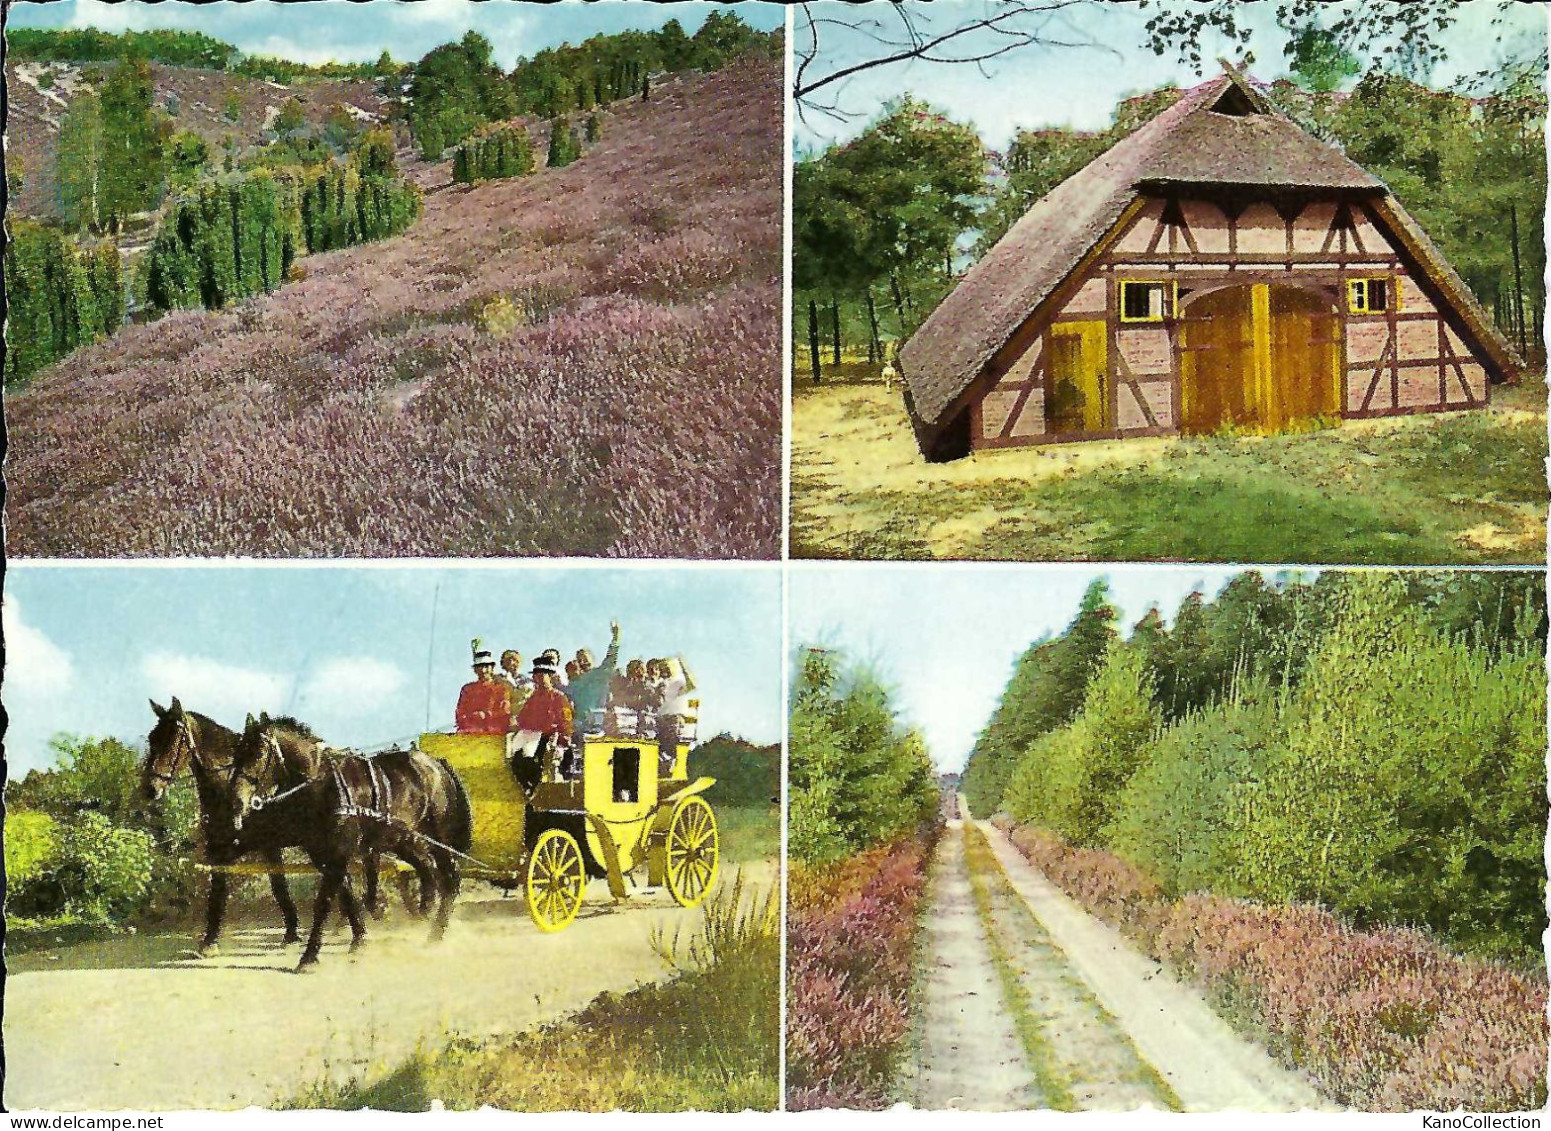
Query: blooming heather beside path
x,y
630,407
1383,1020
850,961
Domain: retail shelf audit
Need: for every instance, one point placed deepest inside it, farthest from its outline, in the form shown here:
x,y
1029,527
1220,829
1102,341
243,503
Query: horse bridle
x,y
272,752
184,747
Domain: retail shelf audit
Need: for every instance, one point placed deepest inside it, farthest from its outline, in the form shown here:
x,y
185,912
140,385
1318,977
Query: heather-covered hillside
x,y
580,361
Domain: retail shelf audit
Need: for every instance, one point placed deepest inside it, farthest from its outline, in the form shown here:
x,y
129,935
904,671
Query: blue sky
x,y
946,639
341,31
1078,85
348,648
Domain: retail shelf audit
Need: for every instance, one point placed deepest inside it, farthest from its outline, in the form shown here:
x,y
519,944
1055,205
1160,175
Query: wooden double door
x,y
1260,358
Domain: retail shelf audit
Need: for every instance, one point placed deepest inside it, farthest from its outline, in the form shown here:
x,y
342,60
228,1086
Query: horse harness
x,y
380,798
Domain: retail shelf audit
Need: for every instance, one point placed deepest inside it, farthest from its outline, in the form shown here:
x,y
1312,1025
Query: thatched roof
x,y
1223,133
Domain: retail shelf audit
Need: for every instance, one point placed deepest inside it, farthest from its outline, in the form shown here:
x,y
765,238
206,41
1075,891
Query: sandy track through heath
x,y
970,1056
1207,1064
139,1023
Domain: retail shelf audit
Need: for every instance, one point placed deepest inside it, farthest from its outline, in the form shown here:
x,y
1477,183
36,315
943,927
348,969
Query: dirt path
x,y
1084,1059
1027,1001
1203,1061
969,1056
140,1023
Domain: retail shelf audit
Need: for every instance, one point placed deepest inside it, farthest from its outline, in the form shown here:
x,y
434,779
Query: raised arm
x,y
611,657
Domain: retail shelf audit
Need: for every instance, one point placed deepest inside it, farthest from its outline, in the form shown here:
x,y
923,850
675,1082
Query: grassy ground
x,y
707,1040
1457,488
749,833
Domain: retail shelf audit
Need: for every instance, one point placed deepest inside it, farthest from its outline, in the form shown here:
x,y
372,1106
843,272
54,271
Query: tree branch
x,y
915,43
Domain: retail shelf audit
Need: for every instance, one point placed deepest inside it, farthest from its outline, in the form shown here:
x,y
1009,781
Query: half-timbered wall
x,y
1410,358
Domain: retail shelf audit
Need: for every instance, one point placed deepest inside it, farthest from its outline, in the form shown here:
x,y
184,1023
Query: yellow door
x,y
1078,399
1217,362
1260,358
1305,373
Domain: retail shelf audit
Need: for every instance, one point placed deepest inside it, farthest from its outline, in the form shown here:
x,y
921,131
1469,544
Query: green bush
x,y
564,147
81,845
188,156
746,774
1372,742
97,872
60,296
376,154
1174,817
1045,691
239,236
1071,779
229,239
502,151
1412,785
31,845
105,868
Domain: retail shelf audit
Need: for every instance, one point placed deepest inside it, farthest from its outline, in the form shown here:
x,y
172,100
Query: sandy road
x,y
1103,1026
1207,1064
969,1055
141,1023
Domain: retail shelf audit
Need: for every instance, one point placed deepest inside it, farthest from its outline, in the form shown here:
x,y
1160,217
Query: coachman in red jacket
x,y
484,706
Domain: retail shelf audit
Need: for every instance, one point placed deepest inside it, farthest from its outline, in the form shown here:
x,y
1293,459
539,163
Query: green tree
x,y
455,89
375,153
1318,60
721,37
1174,818
1045,692
58,297
675,47
188,158
80,162
1412,785
291,118
1072,779
857,777
564,147
132,163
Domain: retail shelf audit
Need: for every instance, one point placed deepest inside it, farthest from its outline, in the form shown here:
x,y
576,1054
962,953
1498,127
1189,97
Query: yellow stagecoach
x,y
629,806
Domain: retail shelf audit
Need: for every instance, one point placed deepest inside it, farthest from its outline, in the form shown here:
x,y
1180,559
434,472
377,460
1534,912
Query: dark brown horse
x,y
185,738
402,801
298,755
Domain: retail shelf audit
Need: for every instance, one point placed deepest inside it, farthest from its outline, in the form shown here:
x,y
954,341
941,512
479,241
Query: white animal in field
x,y
890,374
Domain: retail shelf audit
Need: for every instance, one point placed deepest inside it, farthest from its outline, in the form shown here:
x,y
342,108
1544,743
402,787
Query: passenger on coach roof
x,y
543,727
590,687
519,686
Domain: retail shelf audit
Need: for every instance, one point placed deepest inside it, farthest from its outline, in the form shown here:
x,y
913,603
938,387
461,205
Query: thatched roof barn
x,y
1220,268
